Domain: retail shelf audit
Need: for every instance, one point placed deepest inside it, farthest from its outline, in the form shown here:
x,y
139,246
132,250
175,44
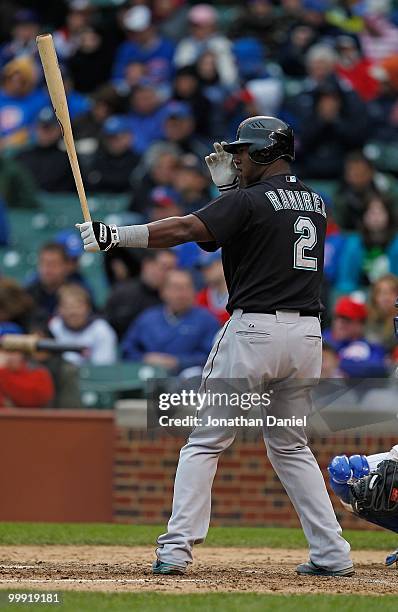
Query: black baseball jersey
x,y
272,235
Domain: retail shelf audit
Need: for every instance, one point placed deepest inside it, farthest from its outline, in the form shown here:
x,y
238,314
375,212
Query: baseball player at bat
x,y
271,229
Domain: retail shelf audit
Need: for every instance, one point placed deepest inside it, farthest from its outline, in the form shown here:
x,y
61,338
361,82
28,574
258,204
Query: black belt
x,y
303,313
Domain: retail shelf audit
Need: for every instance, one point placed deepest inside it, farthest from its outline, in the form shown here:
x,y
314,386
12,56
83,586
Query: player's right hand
x,y
222,169
97,236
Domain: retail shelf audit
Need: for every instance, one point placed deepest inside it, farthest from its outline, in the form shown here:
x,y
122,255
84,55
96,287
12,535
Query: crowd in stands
x,y
150,85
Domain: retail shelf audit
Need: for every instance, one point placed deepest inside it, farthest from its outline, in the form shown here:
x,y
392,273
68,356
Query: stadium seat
x,y
67,205
383,155
100,386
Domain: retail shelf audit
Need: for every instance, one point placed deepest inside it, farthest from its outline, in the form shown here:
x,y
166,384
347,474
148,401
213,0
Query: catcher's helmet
x,y
268,138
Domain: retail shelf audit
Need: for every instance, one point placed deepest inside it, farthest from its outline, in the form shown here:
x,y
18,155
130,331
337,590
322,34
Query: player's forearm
x,y
160,234
167,232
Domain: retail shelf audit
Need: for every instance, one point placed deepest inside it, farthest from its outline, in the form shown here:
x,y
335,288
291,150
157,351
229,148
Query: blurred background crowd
x,y
150,86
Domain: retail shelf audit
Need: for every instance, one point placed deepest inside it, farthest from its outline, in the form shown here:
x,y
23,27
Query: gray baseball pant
x,y
261,348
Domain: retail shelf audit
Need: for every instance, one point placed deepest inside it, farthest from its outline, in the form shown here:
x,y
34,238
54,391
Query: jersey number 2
x,y
308,239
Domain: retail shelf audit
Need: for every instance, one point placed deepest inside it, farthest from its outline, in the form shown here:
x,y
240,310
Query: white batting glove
x,y
97,236
222,169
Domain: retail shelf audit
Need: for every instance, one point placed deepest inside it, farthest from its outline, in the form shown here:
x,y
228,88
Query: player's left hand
x,y
222,169
98,236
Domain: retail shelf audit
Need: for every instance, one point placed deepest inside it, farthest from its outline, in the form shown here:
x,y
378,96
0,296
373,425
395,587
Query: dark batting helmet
x,y
268,138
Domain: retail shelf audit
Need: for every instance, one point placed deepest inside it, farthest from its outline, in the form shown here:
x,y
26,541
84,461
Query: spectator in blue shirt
x,y
372,252
175,336
146,117
144,46
20,102
358,358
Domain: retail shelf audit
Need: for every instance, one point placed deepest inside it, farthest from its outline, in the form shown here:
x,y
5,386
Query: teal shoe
x,y
310,569
160,567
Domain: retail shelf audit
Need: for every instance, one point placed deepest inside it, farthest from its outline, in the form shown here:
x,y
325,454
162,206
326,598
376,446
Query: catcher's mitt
x,y
377,493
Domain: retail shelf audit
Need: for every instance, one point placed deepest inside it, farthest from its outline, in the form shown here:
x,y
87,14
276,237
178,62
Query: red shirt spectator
x,y
21,384
356,69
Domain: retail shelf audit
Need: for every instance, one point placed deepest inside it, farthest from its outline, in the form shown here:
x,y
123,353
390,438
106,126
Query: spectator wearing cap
x,y
358,358
46,162
383,110
179,128
175,336
115,160
205,36
373,251
146,116
20,102
165,202
143,45
23,384
214,295
130,298
76,323
192,182
23,37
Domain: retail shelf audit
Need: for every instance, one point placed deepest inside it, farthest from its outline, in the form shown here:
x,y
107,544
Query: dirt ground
x,y
121,568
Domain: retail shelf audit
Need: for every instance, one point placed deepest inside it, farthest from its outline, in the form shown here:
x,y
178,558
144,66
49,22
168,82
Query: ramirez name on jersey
x,y
287,199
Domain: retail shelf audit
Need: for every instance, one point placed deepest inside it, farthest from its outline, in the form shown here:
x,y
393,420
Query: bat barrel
x,y
54,347
56,90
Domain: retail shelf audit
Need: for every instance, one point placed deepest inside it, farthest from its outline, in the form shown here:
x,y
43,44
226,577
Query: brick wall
x,y
246,490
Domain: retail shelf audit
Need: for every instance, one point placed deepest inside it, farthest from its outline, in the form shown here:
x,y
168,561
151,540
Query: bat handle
x,y
85,210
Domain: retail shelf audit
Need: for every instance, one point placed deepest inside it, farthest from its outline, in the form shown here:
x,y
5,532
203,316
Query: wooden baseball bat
x,y
28,343
56,90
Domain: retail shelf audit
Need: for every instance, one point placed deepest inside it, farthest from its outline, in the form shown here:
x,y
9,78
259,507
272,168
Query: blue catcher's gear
x,y
392,558
339,469
359,466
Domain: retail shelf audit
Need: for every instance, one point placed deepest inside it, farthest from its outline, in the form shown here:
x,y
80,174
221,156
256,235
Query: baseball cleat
x,y
160,567
310,569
